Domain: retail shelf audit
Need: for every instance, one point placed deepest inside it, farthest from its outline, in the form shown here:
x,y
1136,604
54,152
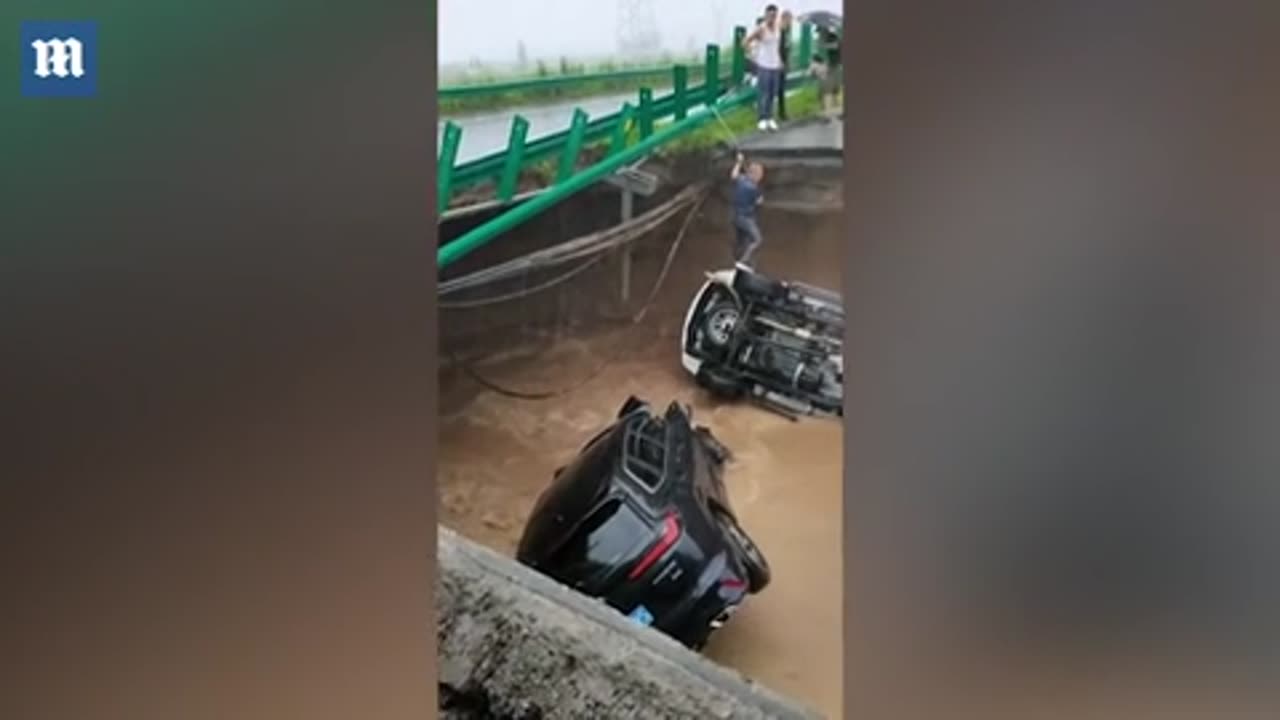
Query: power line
x,y
637,28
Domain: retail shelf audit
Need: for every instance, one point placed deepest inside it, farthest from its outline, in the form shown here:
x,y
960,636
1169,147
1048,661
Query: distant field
x,y
484,74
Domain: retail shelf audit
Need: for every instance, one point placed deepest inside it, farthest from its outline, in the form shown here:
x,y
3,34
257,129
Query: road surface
x,y
799,137
497,453
488,132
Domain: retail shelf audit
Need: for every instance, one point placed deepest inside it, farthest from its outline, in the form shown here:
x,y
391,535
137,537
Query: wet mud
x,y
497,453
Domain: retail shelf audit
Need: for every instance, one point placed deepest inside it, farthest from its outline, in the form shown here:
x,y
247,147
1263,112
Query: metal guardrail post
x,y
738,66
680,91
444,165
711,78
805,46
573,146
515,158
619,142
645,116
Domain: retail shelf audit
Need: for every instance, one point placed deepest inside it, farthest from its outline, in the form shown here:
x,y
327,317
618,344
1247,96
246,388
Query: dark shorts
x,y
828,85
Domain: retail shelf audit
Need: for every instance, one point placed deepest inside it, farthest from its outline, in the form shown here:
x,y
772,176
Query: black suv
x,y
641,520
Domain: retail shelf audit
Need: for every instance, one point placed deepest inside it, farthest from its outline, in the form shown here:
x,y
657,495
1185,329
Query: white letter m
x,y
59,58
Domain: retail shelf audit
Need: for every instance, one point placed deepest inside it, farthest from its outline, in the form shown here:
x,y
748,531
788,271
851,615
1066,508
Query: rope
x,y
635,319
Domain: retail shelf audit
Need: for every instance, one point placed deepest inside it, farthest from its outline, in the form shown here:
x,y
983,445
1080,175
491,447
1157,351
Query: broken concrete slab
x,y
516,644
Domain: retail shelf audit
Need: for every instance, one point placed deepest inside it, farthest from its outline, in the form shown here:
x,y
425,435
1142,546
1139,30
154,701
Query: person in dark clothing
x,y
784,49
834,81
747,197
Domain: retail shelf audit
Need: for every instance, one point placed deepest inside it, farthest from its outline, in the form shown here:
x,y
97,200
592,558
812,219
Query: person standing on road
x,y
834,82
747,197
764,44
784,50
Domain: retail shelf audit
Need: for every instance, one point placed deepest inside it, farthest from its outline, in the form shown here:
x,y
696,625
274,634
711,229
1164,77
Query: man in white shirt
x,y
765,45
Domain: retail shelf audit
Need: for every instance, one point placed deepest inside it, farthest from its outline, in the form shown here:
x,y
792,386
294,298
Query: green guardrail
x,y
486,232
504,166
621,154
490,166
501,168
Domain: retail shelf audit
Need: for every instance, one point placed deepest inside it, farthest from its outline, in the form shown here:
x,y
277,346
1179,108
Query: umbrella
x,y
826,20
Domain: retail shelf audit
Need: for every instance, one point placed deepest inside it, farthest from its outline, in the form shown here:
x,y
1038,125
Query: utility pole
x,y
720,15
638,34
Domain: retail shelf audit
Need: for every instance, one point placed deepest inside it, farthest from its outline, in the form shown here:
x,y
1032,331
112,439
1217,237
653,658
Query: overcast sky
x,y
490,30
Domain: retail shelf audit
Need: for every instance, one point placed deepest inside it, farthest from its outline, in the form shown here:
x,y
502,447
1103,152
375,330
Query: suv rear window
x,y
645,451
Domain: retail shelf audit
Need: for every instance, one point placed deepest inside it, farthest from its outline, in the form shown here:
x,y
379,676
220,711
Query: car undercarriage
x,y
777,343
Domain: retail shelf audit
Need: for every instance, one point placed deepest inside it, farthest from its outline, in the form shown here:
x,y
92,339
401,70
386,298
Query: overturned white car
x,y
778,343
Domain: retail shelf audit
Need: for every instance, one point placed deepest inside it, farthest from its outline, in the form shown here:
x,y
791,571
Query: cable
x,y
635,319
593,244
666,267
733,137
484,302
586,245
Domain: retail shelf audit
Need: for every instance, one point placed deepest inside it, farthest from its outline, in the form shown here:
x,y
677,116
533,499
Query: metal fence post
x,y
620,130
444,166
515,158
646,112
806,46
711,80
573,145
738,67
680,91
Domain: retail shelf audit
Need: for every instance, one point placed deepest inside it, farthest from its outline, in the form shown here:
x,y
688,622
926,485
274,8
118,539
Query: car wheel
x,y
758,572
719,383
721,320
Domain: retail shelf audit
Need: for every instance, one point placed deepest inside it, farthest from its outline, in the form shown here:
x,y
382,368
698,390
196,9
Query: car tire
x,y
753,561
720,383
719,323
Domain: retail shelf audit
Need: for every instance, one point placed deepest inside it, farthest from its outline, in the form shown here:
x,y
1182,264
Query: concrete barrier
x,y
515,644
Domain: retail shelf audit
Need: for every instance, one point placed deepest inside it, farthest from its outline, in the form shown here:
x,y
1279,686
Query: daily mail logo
x,y
59,59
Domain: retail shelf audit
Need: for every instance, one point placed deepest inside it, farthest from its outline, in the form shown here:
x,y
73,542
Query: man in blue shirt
x,y
746,198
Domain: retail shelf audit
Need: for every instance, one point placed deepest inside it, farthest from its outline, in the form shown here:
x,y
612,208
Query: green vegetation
x,y
565,68
802,103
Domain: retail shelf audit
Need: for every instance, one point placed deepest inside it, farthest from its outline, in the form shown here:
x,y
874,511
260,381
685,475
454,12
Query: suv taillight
x,y
670,533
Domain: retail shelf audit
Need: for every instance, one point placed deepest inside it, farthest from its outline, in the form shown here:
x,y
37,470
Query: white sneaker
x,y
773,125
762,125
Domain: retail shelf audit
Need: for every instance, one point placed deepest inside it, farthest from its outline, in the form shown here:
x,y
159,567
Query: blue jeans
x,y
768,84
746,237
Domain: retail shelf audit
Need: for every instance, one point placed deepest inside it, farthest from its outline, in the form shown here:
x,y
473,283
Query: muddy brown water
x,y
496,453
